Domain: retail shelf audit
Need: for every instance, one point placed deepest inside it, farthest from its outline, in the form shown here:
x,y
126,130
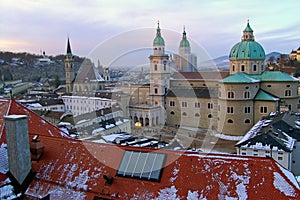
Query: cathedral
x,y
177,95
227,102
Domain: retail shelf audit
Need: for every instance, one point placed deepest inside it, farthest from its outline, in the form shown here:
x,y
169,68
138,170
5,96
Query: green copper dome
x,y
158,40
184,42
247,50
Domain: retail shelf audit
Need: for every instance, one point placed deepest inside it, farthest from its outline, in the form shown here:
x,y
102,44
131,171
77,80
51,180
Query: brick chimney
x,y
36,148
18,151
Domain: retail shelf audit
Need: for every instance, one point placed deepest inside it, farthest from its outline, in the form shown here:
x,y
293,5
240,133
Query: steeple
x,y
69,52
158,40
248,33
184,42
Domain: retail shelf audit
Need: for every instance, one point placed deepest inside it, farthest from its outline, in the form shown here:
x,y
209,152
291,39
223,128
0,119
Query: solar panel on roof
x,y
141,165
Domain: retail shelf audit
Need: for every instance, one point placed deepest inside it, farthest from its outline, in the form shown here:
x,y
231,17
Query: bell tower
x,y
69,68
159,71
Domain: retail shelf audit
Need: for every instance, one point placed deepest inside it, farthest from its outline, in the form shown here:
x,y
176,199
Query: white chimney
x,y
18,149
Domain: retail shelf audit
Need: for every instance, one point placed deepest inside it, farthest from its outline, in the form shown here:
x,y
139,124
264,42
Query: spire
x,y
69,47
158,40
184,33
184,42
158,30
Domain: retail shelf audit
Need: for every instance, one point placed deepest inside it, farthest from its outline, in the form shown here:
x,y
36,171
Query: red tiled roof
x,y
73,169
36,124
77,168
207,76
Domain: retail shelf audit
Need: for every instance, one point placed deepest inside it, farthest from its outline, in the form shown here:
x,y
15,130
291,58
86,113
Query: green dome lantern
x,y
184,42
158,40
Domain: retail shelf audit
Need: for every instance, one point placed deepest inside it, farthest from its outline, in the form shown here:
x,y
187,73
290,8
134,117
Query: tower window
x,y
230,109
184,104
197,104
247,109
172,113
155,91
184,114
155,67
233,68
263,109
210,105
254,68
209,116
230,95
243,68
246,95
287,93
197,115
172,103
165,66
247,121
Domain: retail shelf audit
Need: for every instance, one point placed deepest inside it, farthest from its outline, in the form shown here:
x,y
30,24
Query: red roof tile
x,y
72,169
78,167
36,124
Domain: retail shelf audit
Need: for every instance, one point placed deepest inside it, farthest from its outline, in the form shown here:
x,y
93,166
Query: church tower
x,y
69,68
159,71
185,61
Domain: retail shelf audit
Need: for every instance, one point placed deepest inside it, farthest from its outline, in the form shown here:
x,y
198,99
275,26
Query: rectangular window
x,y
280,158
247,109
210,105
142,165
155,91
230,109
197,104
184,104
155,67
263,109
172,103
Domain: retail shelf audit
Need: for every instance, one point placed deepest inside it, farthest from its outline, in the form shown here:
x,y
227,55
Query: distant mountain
x,y
222,62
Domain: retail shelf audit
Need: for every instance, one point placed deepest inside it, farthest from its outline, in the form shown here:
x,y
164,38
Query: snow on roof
x,y
289,175
3,159
113,137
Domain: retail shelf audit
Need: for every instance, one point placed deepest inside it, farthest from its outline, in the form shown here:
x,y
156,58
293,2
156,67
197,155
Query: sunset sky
x,y
32,25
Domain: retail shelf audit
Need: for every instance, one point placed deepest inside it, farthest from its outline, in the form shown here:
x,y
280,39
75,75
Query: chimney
x,y
19,162
36,148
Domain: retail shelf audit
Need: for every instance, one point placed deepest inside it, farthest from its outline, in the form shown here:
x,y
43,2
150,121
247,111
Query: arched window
x,y
172,113
197,115
247,121
254,68
155,67
233,68
243,68
209,116
184,114
230,121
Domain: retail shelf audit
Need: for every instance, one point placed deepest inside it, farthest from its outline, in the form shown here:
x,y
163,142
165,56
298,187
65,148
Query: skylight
x,y
141,165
